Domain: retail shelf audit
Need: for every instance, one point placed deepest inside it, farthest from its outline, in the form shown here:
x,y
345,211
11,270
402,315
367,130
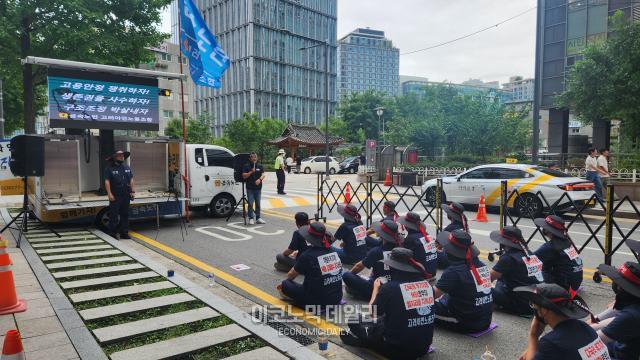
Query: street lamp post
x,y
380,111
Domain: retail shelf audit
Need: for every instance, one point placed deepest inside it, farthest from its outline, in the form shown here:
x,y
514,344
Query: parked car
x,y
467,187
349,165
317,164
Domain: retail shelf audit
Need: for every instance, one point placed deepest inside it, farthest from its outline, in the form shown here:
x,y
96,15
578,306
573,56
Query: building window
x,y
167,114
165,57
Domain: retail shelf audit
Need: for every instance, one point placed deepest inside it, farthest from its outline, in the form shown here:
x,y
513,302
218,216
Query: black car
x,y
349,165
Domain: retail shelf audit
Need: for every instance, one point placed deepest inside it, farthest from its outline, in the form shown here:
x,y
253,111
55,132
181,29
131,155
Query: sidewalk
x,y
42,332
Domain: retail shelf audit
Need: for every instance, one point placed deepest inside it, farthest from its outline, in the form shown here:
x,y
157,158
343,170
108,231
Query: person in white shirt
x,y
289,163
603,167
591,165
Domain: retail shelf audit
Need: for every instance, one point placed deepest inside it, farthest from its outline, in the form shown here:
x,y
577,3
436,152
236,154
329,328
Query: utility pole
x,y
1,113
537,87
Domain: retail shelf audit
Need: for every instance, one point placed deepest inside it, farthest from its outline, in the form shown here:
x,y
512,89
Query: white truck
x,y
69,190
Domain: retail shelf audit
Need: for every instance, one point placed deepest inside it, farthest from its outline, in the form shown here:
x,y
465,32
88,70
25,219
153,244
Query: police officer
x,y
464,302
286,260
404,327
458,221
569,338
362,288
418,241
321,268
621,332
516,267
280,167
120,187
561,260
353,235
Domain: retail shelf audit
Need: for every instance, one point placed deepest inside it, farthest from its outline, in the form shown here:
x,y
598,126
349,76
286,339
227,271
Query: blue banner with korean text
x,y
207,60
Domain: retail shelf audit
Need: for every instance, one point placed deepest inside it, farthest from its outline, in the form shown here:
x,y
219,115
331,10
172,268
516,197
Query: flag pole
x,y
187,183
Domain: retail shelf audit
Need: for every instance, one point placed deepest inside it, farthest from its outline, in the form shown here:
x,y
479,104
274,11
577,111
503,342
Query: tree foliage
x,y
114,32
198,131
250,133
357,112
606,83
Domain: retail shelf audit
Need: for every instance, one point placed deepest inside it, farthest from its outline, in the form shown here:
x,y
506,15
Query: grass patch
x,y
86,258
114,285
101,275
95,266
143,314
127,298
226,350
167,334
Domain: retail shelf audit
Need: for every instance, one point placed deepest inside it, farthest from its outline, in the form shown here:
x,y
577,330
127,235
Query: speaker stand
x,y
24,215
243,201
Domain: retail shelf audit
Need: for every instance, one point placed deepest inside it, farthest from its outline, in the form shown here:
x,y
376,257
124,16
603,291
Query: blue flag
x,y
207,60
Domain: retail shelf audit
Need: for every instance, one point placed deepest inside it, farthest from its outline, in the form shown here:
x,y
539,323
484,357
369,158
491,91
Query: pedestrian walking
x,y
289,163
591,165
298,163
253,175
603,167
120,187
280,168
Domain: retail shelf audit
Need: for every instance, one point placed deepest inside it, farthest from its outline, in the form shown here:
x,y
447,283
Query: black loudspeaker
x,y
27,155
239,161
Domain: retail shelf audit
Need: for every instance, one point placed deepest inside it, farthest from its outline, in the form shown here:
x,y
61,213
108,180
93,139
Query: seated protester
x,y
463,292
352,233
360,287
321,268
569,338
404,327
286,260
389,211
455,214
562,264
516,267
621,333
418,241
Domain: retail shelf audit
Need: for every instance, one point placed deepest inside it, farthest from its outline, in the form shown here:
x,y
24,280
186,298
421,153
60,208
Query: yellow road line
x,y
241,284
277,203
301,201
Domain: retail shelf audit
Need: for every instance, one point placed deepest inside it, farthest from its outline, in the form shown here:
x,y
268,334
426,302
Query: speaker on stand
x,y
239,161
27,159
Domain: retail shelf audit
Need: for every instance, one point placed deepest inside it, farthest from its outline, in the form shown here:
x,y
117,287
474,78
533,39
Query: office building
x,y
567,28
368,61
521,90
269,74
412,84
481,84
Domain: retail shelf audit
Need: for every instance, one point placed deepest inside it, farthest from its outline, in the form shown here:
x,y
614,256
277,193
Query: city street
x,y
228,245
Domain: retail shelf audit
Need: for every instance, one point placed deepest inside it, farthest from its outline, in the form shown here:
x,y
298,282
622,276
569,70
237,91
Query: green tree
x,y
357,112
198,131
103,32
605,85
249,133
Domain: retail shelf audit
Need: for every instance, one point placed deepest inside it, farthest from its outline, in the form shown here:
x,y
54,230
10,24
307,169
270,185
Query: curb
x,y
618,214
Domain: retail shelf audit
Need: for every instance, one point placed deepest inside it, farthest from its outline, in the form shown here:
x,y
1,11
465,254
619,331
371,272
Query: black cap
x,y
556,298
387,230
315,234
626,276
509,236
457,242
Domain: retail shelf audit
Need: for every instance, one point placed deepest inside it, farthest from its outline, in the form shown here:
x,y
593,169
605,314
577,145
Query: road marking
x,y
241,236
254,229
241,284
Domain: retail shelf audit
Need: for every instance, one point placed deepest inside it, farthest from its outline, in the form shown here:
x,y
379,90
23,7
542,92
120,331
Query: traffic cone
x,y
9,302
387,178
482,211
12,348
347,194
4,243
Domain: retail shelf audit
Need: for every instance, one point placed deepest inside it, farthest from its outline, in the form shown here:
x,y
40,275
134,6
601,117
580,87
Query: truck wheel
x,y
102,220
222,205
307,170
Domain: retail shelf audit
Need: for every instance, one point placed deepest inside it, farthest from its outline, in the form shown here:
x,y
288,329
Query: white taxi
x,y
534,184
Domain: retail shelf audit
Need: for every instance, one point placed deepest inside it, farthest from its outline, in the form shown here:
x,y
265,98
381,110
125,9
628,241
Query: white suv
x,y
317,164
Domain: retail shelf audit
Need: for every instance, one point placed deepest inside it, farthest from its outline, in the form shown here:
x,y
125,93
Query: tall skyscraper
x,y
269,74
368,61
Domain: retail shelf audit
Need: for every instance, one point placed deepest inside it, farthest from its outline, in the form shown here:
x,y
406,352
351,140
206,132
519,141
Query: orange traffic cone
x,y
9,302
12,348
387,178
3,245
347,194
482,211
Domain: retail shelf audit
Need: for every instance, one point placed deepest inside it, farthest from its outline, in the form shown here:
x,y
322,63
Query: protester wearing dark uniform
x,y
404,327
418,241
352,233
321,268
516,267
119,184
561,261
389,212
286,260
463,292
458,221
622,332
569,338
360,287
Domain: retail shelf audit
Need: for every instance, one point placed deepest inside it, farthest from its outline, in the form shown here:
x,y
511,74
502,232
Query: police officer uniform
x,y
466,305
360,287
404,327
353,235
119,176
571,338
418,241
562,262
623,333
516,267
455,214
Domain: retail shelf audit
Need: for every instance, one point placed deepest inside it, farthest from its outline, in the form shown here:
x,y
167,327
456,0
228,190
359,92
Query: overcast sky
x,y
494,54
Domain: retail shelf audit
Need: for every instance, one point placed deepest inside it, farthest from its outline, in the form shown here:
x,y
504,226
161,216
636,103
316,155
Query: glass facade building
x,y
368,61
269,74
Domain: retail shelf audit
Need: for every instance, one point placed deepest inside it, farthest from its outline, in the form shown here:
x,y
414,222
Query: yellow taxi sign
x,y
512,161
